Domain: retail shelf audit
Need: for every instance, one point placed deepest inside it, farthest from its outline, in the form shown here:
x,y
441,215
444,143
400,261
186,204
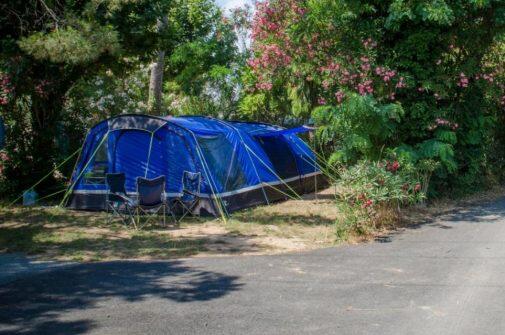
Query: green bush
x,y
371,194
359,128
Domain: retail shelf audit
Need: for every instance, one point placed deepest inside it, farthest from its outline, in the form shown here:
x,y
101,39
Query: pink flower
x,y
367,203
321,101
265,86
401,83
365,67
393,167
361,89
463,80
340,96
369,43
4,157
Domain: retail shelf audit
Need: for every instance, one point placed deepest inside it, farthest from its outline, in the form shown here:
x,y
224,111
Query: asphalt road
x,y
443,277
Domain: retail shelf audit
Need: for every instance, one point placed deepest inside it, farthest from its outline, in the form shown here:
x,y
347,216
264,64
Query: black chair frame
x,y
189,206
150,205
117,202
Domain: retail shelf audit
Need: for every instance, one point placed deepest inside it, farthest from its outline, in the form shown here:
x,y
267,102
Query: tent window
x,y
98,167
280,154
221,157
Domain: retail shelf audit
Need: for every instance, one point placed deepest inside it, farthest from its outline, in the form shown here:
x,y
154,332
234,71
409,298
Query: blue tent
x,y
242,164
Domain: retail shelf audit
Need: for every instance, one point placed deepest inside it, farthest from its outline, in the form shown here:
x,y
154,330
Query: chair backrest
x,y
150,191
116,183
191,182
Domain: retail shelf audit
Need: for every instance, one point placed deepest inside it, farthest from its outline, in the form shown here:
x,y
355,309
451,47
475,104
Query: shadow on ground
x,y
37,305
53,233
64,234
445,219
282,218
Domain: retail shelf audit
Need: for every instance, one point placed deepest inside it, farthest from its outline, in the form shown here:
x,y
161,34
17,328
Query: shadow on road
x,y
470,212
38,304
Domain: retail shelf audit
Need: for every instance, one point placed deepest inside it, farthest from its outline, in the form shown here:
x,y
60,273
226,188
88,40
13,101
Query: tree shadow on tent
x,y
38,304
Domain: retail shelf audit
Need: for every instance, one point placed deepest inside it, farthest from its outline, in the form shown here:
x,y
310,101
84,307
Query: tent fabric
x,y
241,164
297,130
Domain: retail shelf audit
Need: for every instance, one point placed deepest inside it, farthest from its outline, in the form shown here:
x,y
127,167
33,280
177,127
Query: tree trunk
x,y
156,80
156,84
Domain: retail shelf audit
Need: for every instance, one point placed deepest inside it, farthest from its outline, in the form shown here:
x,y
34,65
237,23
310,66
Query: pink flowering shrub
x,y
306,55
373,193
4,159
281,51
6,89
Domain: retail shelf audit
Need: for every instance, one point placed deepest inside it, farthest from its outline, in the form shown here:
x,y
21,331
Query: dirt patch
x,y
296,225
51,233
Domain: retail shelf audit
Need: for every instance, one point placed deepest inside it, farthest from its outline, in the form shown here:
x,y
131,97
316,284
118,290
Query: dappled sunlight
x,y
85,286
55,233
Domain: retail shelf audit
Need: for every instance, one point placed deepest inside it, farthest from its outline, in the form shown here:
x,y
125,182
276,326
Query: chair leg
x,y
136,218
164,215
107,214
172,212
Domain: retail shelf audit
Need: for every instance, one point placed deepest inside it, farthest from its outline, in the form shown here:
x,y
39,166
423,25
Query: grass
x,y
56,233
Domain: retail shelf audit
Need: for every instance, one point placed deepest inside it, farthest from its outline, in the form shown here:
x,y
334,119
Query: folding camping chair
x,y
191,182
151,199
117,202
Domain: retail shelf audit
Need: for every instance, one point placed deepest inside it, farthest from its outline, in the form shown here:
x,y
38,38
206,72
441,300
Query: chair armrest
x,y
126,199
190,193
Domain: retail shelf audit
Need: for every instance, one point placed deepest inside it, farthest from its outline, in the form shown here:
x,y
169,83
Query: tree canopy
x,y
426,64
48,46
417,80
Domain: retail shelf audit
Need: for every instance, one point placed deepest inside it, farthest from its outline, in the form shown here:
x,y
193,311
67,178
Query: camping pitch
x,y
241,164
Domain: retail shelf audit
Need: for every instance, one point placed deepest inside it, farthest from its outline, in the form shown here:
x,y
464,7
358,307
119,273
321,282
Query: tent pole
x,y
71,187
149,154
220,206
217,199
248,154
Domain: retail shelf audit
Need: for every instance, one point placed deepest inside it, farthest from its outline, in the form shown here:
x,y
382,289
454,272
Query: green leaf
x,y
71,45
446,136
